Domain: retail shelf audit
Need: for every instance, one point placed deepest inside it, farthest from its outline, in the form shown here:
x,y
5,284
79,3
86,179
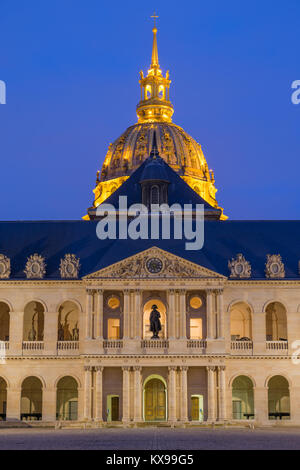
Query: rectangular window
x,y
196,328
113,328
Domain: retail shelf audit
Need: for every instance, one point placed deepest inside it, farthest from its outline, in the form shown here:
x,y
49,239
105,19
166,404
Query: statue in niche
x,y
32,332
67,333
75,332
60,329
60,332
64,333
155,325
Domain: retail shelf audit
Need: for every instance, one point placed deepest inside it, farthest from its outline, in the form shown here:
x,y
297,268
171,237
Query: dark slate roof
x,y
223,240
154,170
178,190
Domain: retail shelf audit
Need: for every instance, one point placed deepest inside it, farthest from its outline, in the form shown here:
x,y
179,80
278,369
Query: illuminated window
x,y
195,302
113,328
148,92
196,328
161,92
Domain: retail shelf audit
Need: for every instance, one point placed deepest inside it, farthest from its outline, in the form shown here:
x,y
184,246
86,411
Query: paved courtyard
x,y
148,439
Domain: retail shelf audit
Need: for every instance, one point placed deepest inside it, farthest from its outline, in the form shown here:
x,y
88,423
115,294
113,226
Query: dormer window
x,y
154,195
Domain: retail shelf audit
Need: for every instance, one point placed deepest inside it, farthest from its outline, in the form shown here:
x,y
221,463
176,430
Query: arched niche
x,y
147,334
4,321
276,322
68,322
240,321
33,326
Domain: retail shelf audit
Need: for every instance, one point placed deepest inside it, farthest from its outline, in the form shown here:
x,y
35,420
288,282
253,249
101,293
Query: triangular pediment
x,y
154,263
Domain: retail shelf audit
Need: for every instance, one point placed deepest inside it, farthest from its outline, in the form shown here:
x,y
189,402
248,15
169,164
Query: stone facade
x,y
81,349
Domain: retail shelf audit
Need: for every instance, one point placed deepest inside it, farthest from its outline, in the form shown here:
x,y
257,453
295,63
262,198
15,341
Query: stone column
x,y
88,314
211,393
172,394
220,307
50,332
177,315
222,393
13,407
259,332
49,404
171,316
126,394
261,405
209,314
138,315
16,333
184,394
126,334
183,313
99,393
87,392
137,417
294,400
99,314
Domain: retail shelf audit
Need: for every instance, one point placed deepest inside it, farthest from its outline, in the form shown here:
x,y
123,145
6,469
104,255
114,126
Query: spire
x,y
155,104
154,59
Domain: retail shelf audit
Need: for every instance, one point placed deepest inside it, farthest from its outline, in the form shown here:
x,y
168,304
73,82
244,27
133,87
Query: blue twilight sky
x,y
71,70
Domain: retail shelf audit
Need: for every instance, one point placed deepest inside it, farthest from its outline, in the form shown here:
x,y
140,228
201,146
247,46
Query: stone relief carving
x,y
69,267
274,267
137,267
4,267
35,267
239,267
168,149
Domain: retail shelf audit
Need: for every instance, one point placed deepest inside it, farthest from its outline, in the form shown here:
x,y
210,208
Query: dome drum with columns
x,y
175,146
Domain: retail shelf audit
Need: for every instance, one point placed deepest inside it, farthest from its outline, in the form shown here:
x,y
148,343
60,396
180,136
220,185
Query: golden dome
x,y
178,148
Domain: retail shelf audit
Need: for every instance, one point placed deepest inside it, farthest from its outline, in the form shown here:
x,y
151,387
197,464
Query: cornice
x,y
41,283
201,282
264,282
170,357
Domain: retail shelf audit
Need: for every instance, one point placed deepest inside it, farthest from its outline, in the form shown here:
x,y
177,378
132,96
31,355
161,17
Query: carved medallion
x,y
239,267
154,265
274,267
69,267
35,267
4,267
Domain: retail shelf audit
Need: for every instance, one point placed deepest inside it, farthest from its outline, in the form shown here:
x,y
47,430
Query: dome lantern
x,y
155,104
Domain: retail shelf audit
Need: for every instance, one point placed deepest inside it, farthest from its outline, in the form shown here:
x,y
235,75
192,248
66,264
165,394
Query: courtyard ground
x,y
150,439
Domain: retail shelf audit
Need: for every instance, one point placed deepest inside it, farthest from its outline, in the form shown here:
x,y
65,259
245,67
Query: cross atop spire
x,y
154,59
155,17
